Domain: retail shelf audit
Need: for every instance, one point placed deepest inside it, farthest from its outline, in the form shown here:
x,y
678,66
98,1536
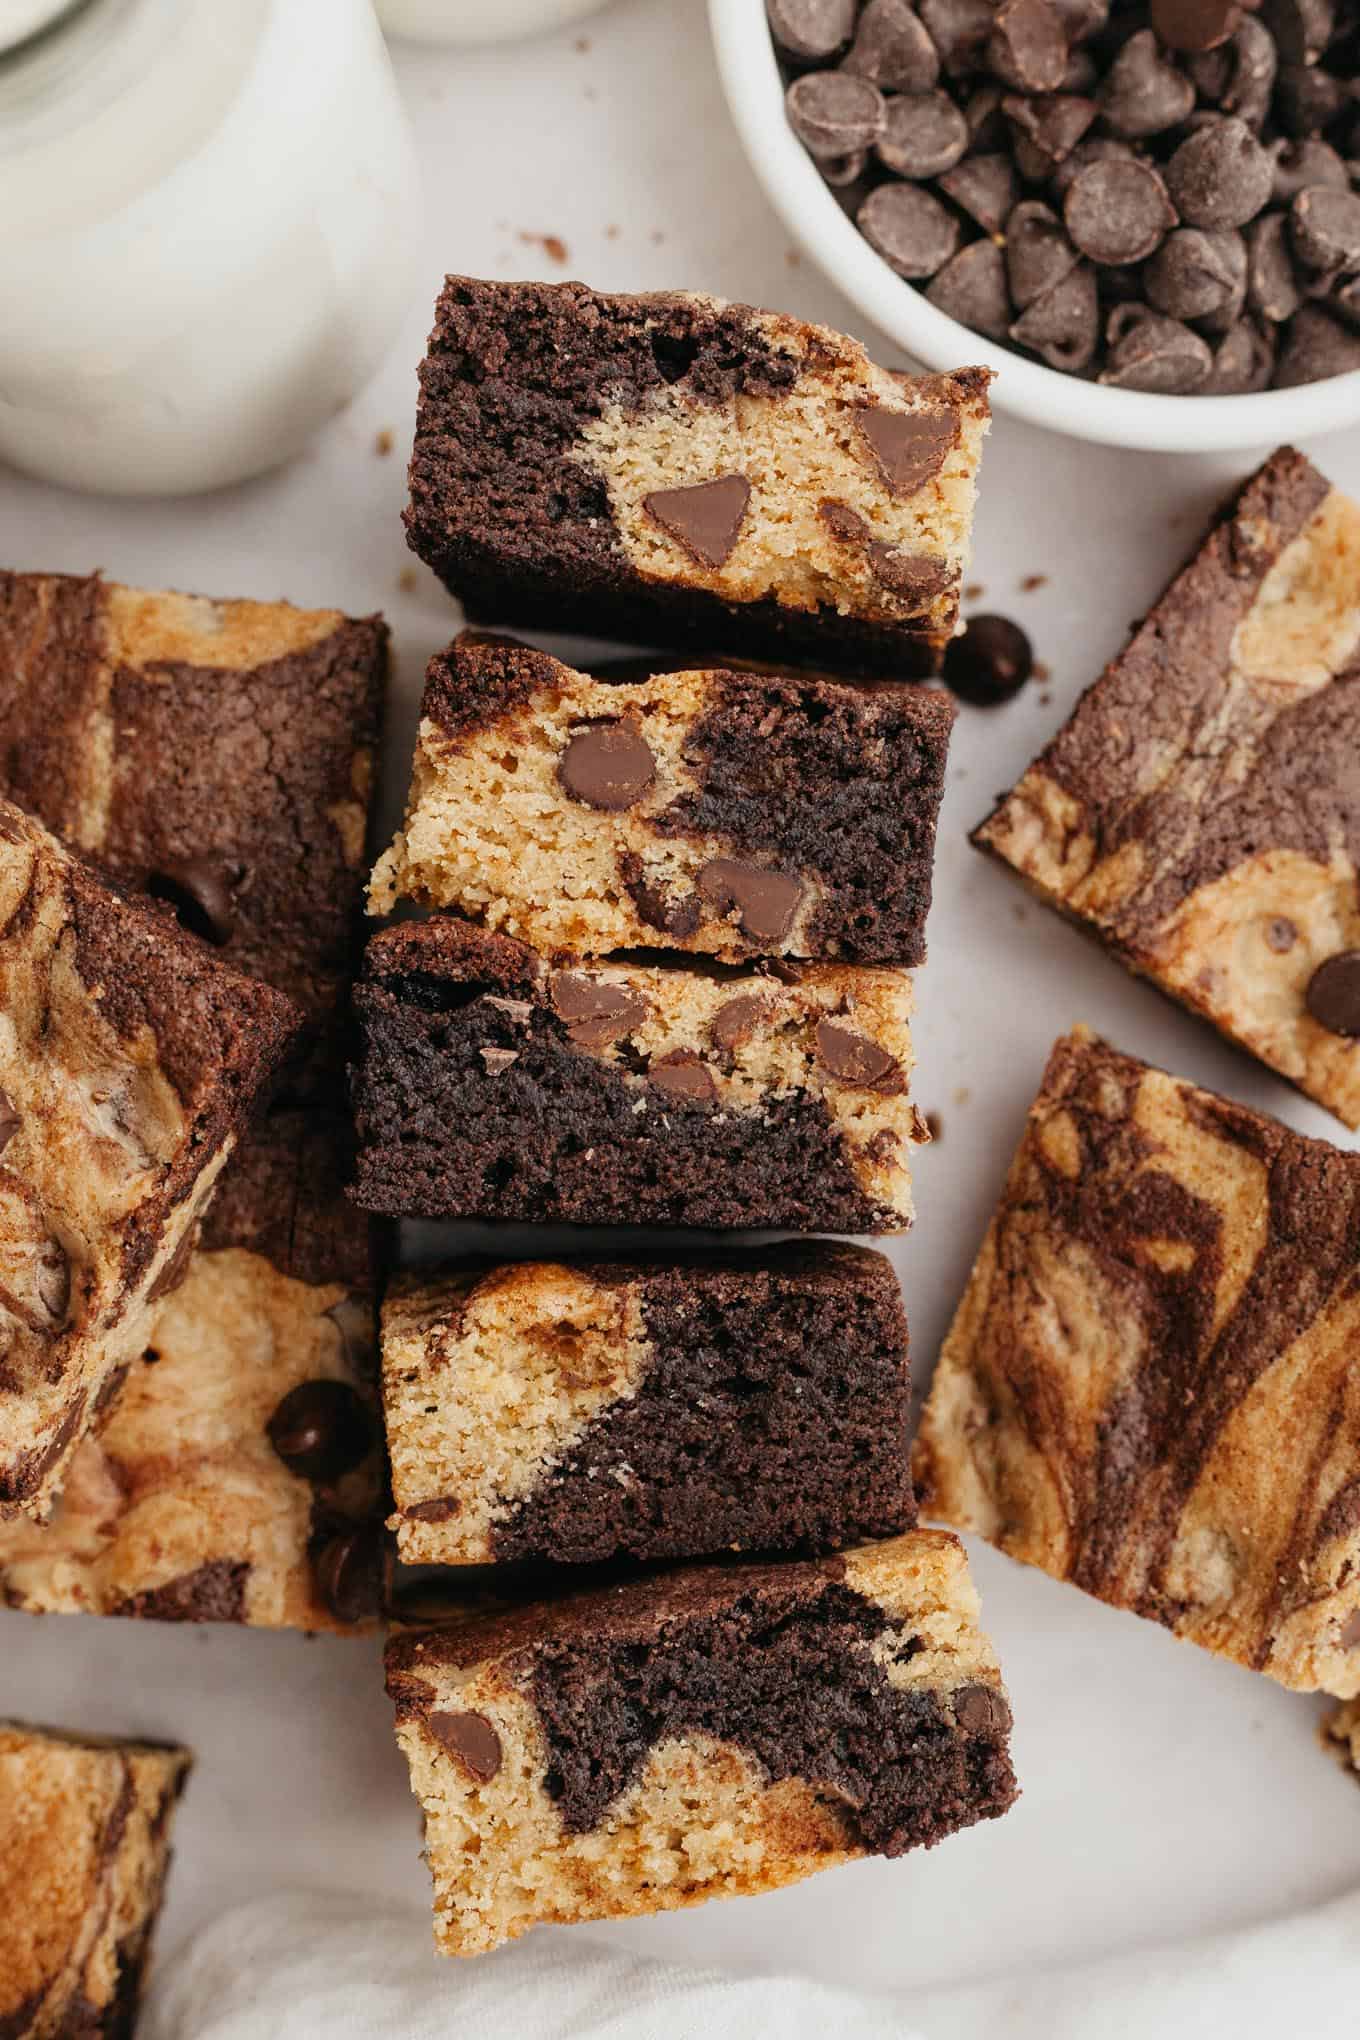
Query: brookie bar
x,y
673,469
735,813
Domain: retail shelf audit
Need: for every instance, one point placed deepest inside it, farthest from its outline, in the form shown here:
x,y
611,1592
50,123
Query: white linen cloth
x,y
311,1966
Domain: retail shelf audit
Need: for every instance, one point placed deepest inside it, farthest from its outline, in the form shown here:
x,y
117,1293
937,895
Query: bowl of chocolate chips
x,y
1144,215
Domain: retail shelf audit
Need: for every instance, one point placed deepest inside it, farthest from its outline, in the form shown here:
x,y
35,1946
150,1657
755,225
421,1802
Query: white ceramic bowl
x,y
794,187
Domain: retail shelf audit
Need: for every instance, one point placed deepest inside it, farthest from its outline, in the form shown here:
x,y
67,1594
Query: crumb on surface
x,y
611,233
1041,672
384,442
408,580
1029,582
793,257
974,591
962,1095
934,1124
553,246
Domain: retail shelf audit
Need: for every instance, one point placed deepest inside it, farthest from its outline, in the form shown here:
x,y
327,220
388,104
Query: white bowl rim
x,y
1045,396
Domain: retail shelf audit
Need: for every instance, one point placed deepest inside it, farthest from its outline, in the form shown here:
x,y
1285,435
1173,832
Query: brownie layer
x,y
1150,1387
581,1412
735,813
86,1824
707,1732
673,469
491,1086
1200,810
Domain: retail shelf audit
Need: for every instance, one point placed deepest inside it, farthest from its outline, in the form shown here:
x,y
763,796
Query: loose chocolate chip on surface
x,y
832,112
735,1023
1196,273
607,765
348,1570
1063,326
1039,251
989,662
705,518
909,227
1144,92
11,1119
924,133
472,1740
681,1075
1324,227
595,1011
972,289
200,889
985,187
1148,351
1118,211
981,1710
321,1429
1028,46
1281,934
891,49
1333,994
909,447
764,902
1194,25
1220,176
853,1059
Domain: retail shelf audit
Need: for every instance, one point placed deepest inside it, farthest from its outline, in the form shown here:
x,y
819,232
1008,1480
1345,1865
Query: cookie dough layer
x,y
218,754
129,1061
492,1085
1341,1736
582,1412
86,1823
734,813
1200,811
673,469
1150,1388
240,1475
704,1734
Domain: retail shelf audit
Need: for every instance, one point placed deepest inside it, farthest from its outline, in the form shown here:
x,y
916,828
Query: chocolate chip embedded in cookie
x,y
1200,811
699,1734
650,467
736,813
1150,1387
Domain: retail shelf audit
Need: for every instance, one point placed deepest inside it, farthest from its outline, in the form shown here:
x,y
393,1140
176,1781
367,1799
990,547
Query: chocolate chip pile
x,y
1157,197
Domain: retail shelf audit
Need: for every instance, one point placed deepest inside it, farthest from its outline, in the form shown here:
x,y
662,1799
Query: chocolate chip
x,y
1245,71
1063,326
607,765
1195,273
200,889
1324,228
764,902
1220,176
1118,211
892,49
1039,252
989,662
439,1509
472,1740
1193,25
681,1075
11,1119
982,1710
982,111
596,1012
853,1059
839,171
1302,28
1148,351
924,133
911,230
1271,286
1028,47
1299,165
176,1269
972,289
1052,125
909,447
832,112
1315,347
1333,994
678,915
1349,1635
1308,99
985,187
916,579
735,1023
348,1569
321,1429
1094,149
959,30
1281,934
1144,92
705,518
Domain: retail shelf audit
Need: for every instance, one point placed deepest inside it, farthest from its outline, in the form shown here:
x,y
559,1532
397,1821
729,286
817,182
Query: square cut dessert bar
x,y
735,813
577,1412
130,1058
706,1733
1150,1388
672,469
86,1821
494,1084
1200,811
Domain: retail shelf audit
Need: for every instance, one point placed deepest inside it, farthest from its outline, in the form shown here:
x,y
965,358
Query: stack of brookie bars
x,y
662,979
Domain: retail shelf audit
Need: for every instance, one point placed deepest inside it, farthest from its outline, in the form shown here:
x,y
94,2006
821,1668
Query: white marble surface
x,y
1164,1792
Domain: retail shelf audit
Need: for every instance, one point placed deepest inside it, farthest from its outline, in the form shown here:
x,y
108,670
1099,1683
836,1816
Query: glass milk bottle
x,y
208,221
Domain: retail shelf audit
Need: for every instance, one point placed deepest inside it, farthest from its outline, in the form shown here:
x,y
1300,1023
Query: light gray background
x,y
1164,1792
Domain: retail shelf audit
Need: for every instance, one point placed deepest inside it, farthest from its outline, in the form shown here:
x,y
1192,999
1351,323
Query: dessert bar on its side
x,y
579,1412
1150,1387
734,813
704,1733
493,1085
671,469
